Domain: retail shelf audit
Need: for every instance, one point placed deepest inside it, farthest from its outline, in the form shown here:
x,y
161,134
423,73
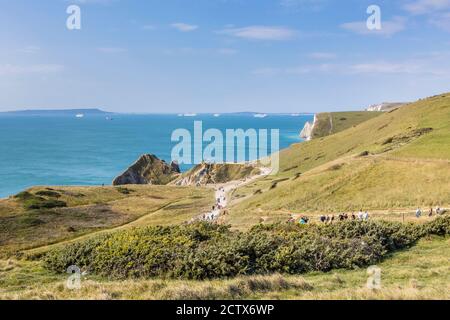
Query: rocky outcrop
x,y
209,173
385,106
148,169
307,131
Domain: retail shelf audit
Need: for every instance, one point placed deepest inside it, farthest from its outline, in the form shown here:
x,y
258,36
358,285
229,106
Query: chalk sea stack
x,y
149,169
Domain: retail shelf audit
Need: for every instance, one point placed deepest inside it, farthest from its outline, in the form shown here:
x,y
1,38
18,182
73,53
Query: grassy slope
x,y
334,122
91,209
410,171
421,272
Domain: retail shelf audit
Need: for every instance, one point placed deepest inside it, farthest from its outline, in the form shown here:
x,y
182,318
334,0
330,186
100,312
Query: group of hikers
x,y
217,208
431,212
360,216
329,219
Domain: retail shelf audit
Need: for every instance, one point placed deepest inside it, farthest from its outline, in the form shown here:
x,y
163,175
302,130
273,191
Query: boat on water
x,y
79,115
190,114
260,115
217,115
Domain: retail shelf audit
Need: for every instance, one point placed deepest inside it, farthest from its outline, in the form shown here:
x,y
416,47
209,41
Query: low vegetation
x,y
42,216
421,272
206,251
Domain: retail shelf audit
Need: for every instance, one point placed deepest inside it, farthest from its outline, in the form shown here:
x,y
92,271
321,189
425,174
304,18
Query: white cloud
x,y
9,69
388,28
184,27
261,33
436,64
419,7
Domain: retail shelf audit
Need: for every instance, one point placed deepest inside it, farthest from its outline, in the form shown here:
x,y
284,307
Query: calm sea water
x,y
64,150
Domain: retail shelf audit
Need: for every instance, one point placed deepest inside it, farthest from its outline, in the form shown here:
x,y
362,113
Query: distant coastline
x,y
96,111
30,112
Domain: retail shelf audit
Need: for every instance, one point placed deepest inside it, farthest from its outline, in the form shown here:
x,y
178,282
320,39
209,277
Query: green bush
x,y
48,193
35,202
206,251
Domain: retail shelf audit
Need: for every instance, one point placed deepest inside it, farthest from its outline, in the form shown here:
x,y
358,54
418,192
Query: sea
x,y
63,149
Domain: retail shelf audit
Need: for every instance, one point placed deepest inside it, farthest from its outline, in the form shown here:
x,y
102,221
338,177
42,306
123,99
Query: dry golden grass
x,y
93,209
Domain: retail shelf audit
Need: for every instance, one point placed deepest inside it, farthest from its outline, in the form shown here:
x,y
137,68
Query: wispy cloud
x,y
184,27
9,69
435,64
274,33
419,7
388,28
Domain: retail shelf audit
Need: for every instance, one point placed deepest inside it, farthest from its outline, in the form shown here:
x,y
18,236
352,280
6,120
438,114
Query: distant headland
x,y
60,112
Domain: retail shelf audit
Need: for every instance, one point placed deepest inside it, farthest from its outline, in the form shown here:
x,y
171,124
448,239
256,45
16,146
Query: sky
x,y
172,56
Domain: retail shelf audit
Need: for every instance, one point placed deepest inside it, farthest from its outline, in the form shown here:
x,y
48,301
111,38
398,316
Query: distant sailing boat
x,y
261,115
80,115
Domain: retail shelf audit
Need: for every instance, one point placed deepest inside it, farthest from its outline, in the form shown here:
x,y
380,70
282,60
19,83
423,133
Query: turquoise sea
x,y
65,150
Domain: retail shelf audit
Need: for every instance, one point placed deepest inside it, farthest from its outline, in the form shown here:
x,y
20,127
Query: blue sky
x,y
221,55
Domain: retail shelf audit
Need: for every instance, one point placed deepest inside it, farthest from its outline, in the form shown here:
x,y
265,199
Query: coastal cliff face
x,y
209,173
307,131
148,169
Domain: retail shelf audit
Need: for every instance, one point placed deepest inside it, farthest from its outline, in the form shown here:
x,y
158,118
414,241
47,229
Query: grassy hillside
x,y
333,122
42,215
421,272
395,161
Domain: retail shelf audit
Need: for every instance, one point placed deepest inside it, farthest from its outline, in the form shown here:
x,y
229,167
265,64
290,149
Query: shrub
x,y
48,193
207,251
35,202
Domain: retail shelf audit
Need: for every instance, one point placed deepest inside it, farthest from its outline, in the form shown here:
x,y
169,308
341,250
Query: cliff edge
x,y
148,169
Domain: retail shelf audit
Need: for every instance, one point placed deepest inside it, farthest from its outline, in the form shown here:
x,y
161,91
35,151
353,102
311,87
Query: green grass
x,y
333,122
356,168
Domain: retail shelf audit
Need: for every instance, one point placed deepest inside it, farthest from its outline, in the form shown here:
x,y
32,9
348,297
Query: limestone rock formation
x,y
148,169
385,106
307,131
209,173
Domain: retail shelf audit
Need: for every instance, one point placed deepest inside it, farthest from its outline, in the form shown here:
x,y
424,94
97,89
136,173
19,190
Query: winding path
x,y
223,192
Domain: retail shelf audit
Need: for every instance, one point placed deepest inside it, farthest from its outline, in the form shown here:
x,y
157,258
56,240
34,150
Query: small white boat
x,y
260,115
217,115
295,115
80,115
190,114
